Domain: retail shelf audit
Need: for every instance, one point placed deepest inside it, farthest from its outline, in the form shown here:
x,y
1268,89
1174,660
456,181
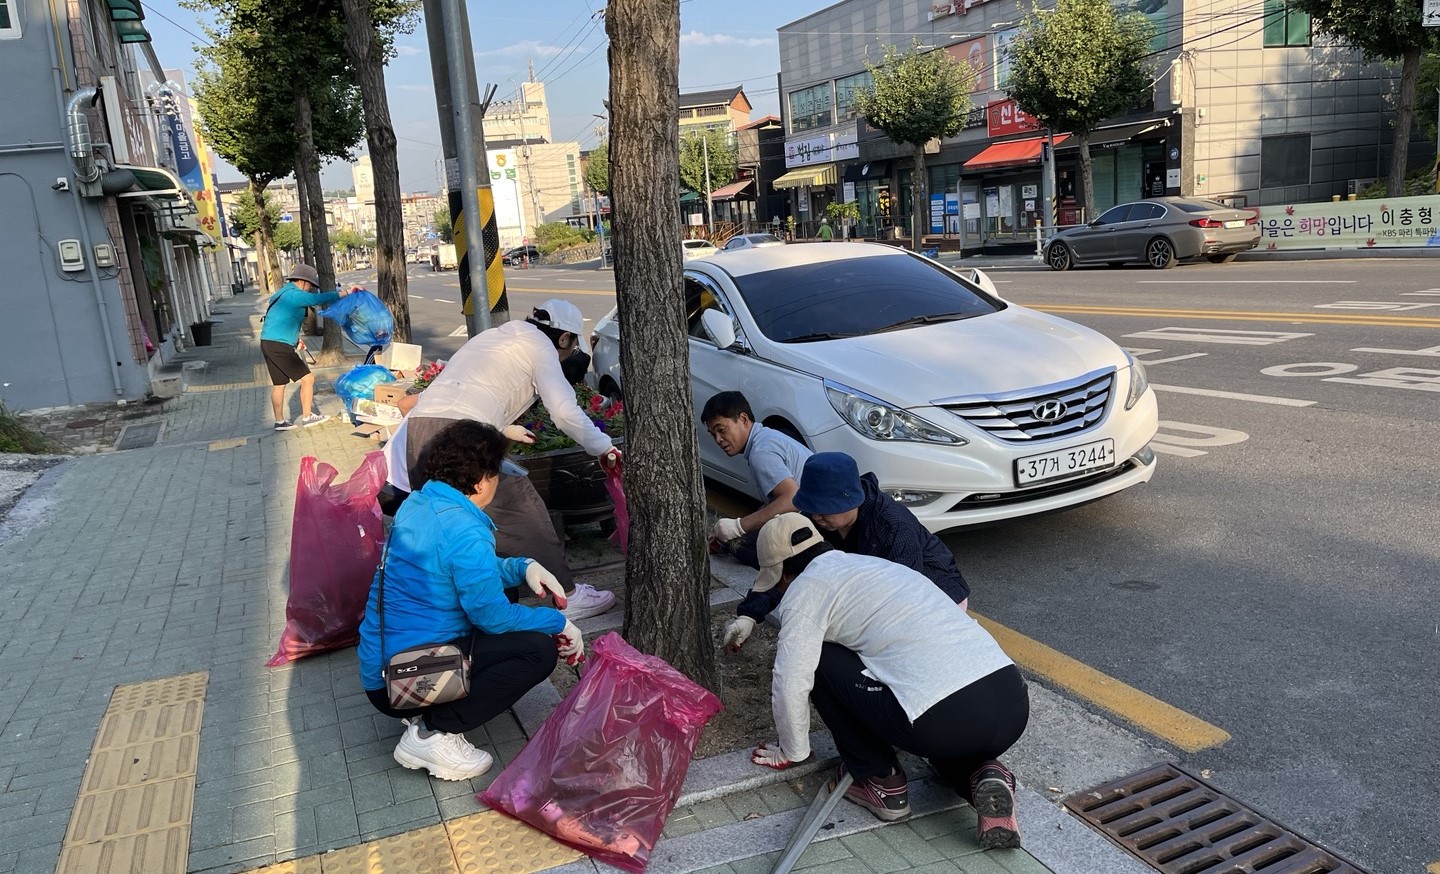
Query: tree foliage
x,y
723,159
597,169
915,97
245,219
1074,66
1393,31
441,223
287,237
554,236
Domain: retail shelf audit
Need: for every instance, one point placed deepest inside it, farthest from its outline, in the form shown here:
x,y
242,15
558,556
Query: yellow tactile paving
x,y
423,851
493,843
227,443
137,796
307,865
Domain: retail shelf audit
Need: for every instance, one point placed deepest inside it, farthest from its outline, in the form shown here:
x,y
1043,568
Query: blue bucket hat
x,y
829,484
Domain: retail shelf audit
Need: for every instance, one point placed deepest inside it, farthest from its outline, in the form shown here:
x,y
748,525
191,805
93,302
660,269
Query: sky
x,y
723,43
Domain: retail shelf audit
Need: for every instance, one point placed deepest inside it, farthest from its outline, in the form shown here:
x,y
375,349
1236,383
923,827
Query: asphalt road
x,y
1277,577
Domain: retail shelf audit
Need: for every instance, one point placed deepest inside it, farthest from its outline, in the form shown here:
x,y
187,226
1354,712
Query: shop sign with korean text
x,y
1352,224
822,149
1004,117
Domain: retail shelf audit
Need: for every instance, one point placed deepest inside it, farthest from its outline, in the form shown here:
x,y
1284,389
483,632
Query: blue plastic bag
x,y
360,382
363,317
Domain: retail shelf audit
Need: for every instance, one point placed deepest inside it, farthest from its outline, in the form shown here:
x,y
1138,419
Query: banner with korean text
x,y
1352,224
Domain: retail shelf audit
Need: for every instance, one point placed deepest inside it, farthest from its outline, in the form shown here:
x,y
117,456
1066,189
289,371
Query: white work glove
x,y
571,644
611,458
727,530
737,631
544,583
771,756
518,434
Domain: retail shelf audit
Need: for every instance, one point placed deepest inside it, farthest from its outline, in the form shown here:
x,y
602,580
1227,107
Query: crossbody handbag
x,y
421,676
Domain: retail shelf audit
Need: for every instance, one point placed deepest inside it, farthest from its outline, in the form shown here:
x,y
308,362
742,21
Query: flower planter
x,y
570,482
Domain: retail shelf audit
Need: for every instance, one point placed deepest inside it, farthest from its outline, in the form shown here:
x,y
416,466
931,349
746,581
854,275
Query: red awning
x,y
728,192
1010,153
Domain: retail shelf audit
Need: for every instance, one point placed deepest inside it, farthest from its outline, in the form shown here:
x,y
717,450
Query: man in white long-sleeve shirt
x,y
494,378
889,662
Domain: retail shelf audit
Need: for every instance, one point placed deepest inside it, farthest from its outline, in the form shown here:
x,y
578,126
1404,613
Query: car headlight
x,y
1139,381
877,420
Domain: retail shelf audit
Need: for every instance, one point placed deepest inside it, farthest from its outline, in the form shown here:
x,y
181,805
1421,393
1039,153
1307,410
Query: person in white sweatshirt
x,y
890,664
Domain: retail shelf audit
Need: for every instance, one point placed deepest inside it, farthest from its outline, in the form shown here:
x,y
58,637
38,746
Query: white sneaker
x,y
313,419
446,756
587,601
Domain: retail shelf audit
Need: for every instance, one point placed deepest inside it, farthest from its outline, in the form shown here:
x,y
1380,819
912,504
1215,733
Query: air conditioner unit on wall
x,y
1355,186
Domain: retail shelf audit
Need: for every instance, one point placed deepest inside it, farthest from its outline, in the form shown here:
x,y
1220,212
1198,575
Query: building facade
x,y
726,108
1248,108
110,256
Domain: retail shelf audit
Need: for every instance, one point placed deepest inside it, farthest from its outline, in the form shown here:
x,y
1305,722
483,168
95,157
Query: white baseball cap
x,y
560,315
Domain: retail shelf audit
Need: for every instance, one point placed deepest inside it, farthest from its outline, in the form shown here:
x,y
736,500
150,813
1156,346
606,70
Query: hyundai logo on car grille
x,y
1051,410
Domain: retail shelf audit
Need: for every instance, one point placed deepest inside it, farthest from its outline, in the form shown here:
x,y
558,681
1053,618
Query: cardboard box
x,y
390,392
403,357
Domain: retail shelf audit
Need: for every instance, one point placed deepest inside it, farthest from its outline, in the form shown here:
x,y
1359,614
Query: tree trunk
x,y
667,610
302,193
919,202
269,259
1404,119
368,58
1087,176
307,180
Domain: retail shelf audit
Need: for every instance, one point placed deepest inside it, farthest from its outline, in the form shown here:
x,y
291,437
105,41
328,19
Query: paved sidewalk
x,y
123,567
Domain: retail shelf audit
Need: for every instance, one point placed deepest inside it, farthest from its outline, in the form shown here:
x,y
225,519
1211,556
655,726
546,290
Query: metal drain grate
x,y
139,435
1179,824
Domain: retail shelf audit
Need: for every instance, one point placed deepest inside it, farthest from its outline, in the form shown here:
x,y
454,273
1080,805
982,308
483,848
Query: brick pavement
x,y
160,561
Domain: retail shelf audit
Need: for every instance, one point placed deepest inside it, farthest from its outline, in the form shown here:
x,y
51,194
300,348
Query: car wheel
x,y
1160,253
788,430
1220,259
1058,257
609,389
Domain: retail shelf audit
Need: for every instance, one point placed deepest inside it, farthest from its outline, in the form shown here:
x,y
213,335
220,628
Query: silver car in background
x,y
1159,232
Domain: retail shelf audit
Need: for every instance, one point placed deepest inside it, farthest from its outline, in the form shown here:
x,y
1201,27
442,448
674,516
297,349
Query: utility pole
x,y
462,139
525,157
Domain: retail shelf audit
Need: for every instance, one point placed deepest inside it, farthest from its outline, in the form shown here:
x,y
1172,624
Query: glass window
x,y
1284,160
810,108
699,297
846,92
1199,205
9,23
1115,215
1284,26
856,296
1146,211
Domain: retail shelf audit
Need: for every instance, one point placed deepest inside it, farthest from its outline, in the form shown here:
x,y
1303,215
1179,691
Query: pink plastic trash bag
x,y
335,544
616,490
605,770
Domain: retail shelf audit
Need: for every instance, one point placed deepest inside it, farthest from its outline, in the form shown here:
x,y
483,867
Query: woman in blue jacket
x,y
444,584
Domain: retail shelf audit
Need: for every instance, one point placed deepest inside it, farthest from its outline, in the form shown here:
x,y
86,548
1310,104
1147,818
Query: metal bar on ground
x,y
810,826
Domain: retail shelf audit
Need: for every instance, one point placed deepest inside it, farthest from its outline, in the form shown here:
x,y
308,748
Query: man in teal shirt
x,y
281,335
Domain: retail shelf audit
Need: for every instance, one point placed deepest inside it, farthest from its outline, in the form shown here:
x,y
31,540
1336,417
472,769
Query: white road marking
x,y
572,280
1247,281
1374,305
458,332
1396,377
1182,444
415,297
443,300
1219,335
1310,368
1233,396
1140,353
1429,351
1429,292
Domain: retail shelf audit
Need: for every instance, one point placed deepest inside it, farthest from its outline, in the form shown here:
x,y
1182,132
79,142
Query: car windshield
x,y
856,296
696,244
1199,205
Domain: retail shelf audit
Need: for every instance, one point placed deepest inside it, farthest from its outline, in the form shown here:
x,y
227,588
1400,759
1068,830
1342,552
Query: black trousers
x,y
956,735
503,667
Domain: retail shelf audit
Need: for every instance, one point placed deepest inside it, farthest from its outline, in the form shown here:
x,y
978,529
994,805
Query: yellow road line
x,y
517,289
1169,723
1244,315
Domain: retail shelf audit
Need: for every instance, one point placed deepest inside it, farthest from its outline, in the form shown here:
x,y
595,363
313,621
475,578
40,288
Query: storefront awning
x,y
800,177
869,170
156,183
729,192
689,197
1011,153
1115,136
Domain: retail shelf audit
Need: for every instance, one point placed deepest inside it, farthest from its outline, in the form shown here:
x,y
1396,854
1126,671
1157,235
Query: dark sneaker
x,y
886,797
992,791
286,425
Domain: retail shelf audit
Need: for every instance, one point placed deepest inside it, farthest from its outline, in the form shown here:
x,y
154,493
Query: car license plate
x,y
1062,463
1238,223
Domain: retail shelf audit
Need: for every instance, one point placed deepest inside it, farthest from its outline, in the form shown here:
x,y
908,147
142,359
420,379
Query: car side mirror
x,y
720,328
986,284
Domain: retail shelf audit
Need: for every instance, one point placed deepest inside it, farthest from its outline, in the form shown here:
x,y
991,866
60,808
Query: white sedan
x,y
968,408
697,249
751,241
